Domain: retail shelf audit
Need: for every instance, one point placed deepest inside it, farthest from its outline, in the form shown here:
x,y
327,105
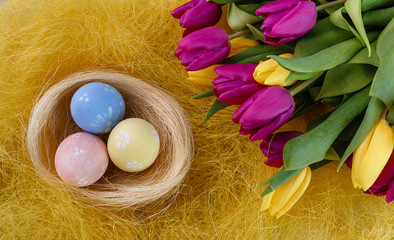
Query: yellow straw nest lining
x,y
51,122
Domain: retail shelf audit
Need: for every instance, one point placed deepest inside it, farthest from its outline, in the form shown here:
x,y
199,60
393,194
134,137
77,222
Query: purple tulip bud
x,y
203,48
384,185
287,20
235,83
264,112
198,14
272,147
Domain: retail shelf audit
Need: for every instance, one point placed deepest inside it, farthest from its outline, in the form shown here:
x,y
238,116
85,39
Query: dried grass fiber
x,y
41,42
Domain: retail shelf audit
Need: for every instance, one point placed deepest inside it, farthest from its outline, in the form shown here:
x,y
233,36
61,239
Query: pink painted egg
x,y
81,159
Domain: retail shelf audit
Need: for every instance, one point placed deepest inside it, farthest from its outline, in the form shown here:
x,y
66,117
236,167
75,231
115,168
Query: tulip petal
x,y
179,11
206,38
297,194
271,20
239,44
282,195
242,72
188,57
298,21
266,201
276,6
358,158
378,152
238,113
239,94
275,161
201,15
278,140
278,77
206,59
270,102
268,129
390,193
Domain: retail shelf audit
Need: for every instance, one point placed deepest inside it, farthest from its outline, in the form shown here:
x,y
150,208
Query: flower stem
x,y
330,4
303,85
238,34
384,113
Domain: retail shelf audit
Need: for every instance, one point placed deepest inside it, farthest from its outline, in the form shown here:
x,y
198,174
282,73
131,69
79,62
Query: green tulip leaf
x,y
257,33
380,17
390,115
340,21
346,78
254,54
353,7
301,76
383,85
207,93
362,56
312,146
323,35
385,42
237,19
216,106
372,4
325,59
251,8
372,115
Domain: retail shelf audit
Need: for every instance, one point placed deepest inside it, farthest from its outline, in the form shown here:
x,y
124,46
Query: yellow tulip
x,y
203,77
239,44
283,198
372,155
271,73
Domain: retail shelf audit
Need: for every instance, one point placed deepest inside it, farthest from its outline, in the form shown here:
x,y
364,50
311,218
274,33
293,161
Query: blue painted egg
x,y
97,107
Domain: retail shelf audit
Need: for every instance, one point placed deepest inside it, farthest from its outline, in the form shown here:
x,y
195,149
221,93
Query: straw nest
x,y
51,122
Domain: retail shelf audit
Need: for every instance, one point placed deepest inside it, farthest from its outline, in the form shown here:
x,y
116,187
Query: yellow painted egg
x,y
133,145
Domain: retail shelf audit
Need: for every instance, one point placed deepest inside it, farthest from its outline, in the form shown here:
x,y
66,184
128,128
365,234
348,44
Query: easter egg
x,y
133,145
81,159
97,107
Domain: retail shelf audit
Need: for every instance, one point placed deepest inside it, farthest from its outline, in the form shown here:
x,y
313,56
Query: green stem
x,y
303,85
238,34
330,4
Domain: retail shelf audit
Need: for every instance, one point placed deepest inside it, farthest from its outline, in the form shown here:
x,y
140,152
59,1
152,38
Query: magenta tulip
x,y
272,147
235,83
384,185
264,112
287,20
198,14
203,48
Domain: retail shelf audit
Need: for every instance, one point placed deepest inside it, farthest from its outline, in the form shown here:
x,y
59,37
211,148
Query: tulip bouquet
x,y
288,57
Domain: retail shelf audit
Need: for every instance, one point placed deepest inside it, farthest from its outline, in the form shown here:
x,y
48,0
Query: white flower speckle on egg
x,y
83,181
134,165
78,151
104,119
84,98
123,139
